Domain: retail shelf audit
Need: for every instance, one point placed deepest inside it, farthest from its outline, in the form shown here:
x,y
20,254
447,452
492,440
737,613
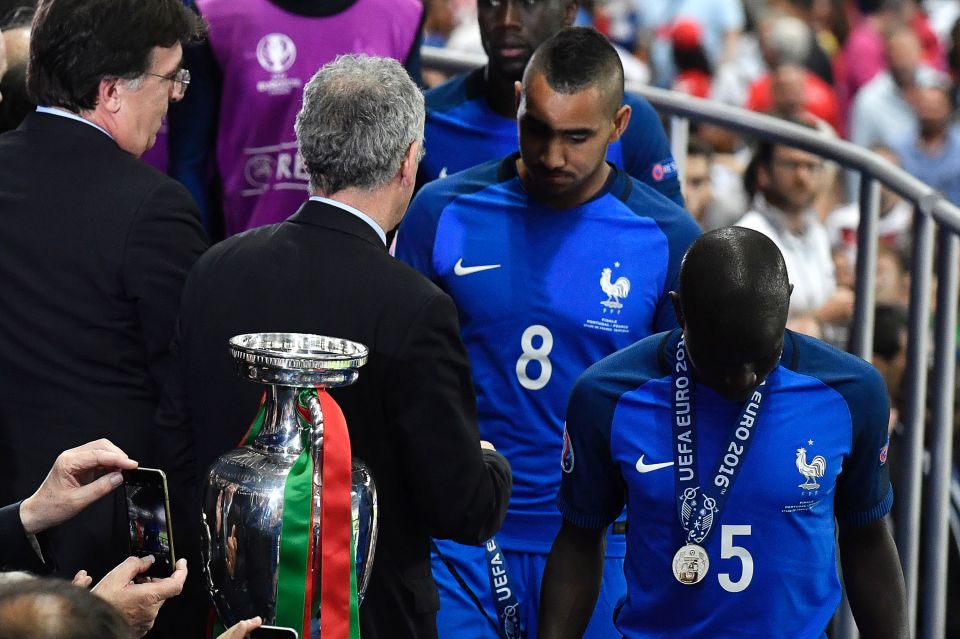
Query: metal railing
x,y
932,212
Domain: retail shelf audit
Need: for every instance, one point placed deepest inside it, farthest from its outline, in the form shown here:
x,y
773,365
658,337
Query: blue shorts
x,y
460,617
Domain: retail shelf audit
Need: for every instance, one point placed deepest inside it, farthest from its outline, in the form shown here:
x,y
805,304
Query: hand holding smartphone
x,y
148,512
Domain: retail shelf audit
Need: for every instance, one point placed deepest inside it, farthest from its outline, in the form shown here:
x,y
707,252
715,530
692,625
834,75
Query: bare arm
x,y
571,581
874,580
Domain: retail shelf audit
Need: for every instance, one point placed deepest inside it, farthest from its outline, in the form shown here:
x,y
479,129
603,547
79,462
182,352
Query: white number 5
x,y
728,551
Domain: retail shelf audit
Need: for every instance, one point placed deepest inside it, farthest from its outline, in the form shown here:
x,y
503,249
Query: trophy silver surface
x,y
243,498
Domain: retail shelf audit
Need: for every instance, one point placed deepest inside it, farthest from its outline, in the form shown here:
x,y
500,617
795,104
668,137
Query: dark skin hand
x,y
869,557
571,581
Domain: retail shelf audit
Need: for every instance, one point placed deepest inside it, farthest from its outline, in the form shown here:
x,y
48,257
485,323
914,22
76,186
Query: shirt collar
x,y
778,219
349,209
63,113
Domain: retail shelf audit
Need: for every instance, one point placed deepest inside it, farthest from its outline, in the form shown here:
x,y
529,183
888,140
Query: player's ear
x,y
620,121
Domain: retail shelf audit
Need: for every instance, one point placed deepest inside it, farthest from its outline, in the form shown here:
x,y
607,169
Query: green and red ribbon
x,y
297,603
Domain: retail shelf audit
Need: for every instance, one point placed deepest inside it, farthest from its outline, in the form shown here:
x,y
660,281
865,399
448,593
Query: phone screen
x,y
273,632
148,512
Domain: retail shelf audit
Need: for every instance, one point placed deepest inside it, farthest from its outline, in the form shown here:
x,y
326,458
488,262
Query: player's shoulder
x,y
646,201
438,194
857,381
625,370
642,112
452,93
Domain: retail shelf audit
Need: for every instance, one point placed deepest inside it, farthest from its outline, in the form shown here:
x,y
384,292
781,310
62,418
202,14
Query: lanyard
x,y
696,517
501,590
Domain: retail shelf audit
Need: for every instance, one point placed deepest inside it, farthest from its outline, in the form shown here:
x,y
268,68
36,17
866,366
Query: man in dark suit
x,y
96,247
326,270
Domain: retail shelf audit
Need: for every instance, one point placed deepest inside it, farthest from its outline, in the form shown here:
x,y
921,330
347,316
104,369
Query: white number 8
x,y
538,354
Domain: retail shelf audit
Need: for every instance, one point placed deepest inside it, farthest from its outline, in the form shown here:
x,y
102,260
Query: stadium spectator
x,y
933,154
893,227
249,76
722,22
697,185
472,118
595,250
863,56
800,432
881,112
785,182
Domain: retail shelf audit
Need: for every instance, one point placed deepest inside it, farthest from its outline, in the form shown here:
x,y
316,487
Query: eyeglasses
x,y
796,165
180,79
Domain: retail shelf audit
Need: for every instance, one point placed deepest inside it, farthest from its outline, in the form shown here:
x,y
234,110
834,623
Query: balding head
x,y
55,609
733,305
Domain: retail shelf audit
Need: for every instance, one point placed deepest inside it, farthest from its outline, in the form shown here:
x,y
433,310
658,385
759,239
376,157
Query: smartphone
x,y
273,632
148,512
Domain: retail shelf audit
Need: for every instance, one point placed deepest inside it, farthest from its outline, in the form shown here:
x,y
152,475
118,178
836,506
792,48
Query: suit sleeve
x,y
16,553
459,492
646,150
164,242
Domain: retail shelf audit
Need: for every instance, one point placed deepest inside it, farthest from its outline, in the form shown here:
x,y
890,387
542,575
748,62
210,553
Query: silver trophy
x,y
243,499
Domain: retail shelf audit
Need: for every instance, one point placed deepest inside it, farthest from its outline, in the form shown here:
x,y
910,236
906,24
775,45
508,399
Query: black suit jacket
x,y
94,249
411,415
16,553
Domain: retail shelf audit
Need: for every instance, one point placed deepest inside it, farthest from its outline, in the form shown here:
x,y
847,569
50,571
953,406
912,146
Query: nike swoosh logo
x,y
649,468
460,269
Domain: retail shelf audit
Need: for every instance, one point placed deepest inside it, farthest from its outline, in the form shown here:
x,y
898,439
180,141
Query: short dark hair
x,y
74,44
698,146
56,609
576,58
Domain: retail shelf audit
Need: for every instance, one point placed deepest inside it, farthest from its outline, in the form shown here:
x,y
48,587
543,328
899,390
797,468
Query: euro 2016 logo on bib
x,y
276,52
566,457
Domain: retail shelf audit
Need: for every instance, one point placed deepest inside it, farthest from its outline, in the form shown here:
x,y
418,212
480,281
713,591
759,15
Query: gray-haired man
x,y
412,414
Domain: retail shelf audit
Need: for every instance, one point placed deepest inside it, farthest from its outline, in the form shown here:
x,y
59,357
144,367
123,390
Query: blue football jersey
x,y
818,451
463,131
542,294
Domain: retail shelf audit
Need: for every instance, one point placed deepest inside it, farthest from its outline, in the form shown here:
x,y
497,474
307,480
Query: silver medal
x,y
690,564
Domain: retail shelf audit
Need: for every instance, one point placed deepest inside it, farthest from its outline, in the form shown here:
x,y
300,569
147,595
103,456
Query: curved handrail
x,y
925,197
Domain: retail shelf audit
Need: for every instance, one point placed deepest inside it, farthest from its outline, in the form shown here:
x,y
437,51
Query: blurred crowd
x,y
882,74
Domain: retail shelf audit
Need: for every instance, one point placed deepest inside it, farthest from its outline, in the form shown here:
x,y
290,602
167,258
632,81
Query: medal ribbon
x,y
297,604
697,519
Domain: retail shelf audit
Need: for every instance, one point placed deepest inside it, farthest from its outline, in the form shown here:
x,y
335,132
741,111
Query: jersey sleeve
x,y
646,150
592,492
864,493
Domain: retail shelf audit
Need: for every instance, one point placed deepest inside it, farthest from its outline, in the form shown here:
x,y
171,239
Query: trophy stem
x,y
281,427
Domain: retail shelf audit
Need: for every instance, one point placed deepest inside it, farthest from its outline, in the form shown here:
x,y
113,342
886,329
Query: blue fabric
x,y
459,617
462,131
823,408
941,171
544,281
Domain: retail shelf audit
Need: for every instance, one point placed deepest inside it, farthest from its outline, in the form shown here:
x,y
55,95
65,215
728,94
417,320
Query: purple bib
x,y
267,55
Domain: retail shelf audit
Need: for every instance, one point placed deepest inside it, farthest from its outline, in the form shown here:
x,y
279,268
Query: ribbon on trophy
x,y
297,604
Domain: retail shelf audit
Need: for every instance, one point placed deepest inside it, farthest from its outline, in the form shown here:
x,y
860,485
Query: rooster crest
x,y
614,290
816,468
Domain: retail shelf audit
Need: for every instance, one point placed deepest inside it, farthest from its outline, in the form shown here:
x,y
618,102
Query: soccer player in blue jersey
x,y
555,258
735,445
471,119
